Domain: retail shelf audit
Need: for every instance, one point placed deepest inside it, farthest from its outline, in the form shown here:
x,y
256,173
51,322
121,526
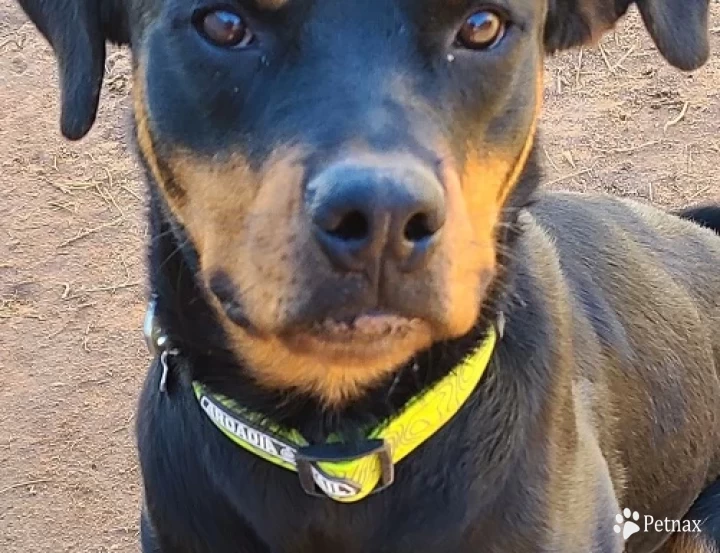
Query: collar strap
x,y
344,472
349,472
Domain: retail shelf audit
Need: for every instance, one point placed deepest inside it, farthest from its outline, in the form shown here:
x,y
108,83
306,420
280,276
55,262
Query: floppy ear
x,y
77,31
679,28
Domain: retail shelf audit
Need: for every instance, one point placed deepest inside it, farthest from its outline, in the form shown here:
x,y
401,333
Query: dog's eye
x,y
482,30
224,28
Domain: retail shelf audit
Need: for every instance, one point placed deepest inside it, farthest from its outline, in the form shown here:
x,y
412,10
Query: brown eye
x,y
482,30
224,28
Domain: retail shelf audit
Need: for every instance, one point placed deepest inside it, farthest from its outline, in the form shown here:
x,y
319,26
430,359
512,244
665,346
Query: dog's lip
x,y
371,325
368,327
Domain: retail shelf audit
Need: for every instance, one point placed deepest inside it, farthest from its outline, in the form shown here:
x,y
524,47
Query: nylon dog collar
x,y
344,472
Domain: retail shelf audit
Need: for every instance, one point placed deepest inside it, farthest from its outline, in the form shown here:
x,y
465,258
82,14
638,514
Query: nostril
x,y
418,238
418,228
352,226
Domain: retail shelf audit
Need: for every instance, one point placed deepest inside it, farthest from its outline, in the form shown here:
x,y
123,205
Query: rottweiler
x,y
372,332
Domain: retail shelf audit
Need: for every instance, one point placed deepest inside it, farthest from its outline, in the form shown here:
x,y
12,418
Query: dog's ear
x,y
77,31
679,28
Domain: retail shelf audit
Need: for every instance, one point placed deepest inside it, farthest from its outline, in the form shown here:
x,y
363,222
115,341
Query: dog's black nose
x,y
361,213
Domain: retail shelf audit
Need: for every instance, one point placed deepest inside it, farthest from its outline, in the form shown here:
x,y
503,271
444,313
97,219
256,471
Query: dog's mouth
x,y
366,335
364,327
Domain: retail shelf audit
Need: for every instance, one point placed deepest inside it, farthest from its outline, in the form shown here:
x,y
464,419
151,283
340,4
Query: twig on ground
x,y
629,149
605,58
550,159
579,66
677,119
112,287
86,233
570,176
26,483
701,192
625,56
107,288
108,190
131,192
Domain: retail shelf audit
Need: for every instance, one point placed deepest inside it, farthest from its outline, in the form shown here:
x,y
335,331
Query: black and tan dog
x,y
359,294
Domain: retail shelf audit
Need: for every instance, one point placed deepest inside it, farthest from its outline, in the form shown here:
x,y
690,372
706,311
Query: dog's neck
x,y
186,316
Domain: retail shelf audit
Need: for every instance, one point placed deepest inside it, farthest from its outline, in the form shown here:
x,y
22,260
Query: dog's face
x,y
342,168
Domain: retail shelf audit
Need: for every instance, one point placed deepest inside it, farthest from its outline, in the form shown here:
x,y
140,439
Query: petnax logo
x,y
630,523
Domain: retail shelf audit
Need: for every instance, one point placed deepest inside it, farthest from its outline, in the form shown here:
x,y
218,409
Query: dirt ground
x,y
72,234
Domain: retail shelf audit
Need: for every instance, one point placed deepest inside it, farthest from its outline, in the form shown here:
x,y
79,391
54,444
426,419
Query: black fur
x,y
707,510
707,216
78,30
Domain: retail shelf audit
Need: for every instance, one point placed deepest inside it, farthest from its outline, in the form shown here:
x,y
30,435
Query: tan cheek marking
x,y
489,177
475,203
251,227
246,224
218,198
213,199
529,141
142,124
273,240
469,251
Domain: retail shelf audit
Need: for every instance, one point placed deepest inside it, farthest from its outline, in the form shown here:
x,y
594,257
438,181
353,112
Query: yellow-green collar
x,y
350,472
345,472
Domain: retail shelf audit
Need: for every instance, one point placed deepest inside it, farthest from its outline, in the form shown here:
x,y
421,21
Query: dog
x,y
372,331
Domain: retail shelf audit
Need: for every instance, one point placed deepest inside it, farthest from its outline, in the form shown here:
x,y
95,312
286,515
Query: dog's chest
x,y
421,512
207,490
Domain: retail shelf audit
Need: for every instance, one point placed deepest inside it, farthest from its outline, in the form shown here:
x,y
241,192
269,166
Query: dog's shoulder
x,y
623,241
635,272
644,296
593,212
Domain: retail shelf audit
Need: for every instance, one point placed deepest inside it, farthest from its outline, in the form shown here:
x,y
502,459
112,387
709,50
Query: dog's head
x,y
342,168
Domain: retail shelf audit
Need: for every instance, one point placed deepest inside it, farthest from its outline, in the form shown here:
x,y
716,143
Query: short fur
x,y
603,391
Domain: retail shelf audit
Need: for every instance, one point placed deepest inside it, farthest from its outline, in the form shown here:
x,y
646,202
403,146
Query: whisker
x,y
161,236
175,251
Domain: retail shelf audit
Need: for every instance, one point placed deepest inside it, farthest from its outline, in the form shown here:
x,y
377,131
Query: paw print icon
x,y
627,523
